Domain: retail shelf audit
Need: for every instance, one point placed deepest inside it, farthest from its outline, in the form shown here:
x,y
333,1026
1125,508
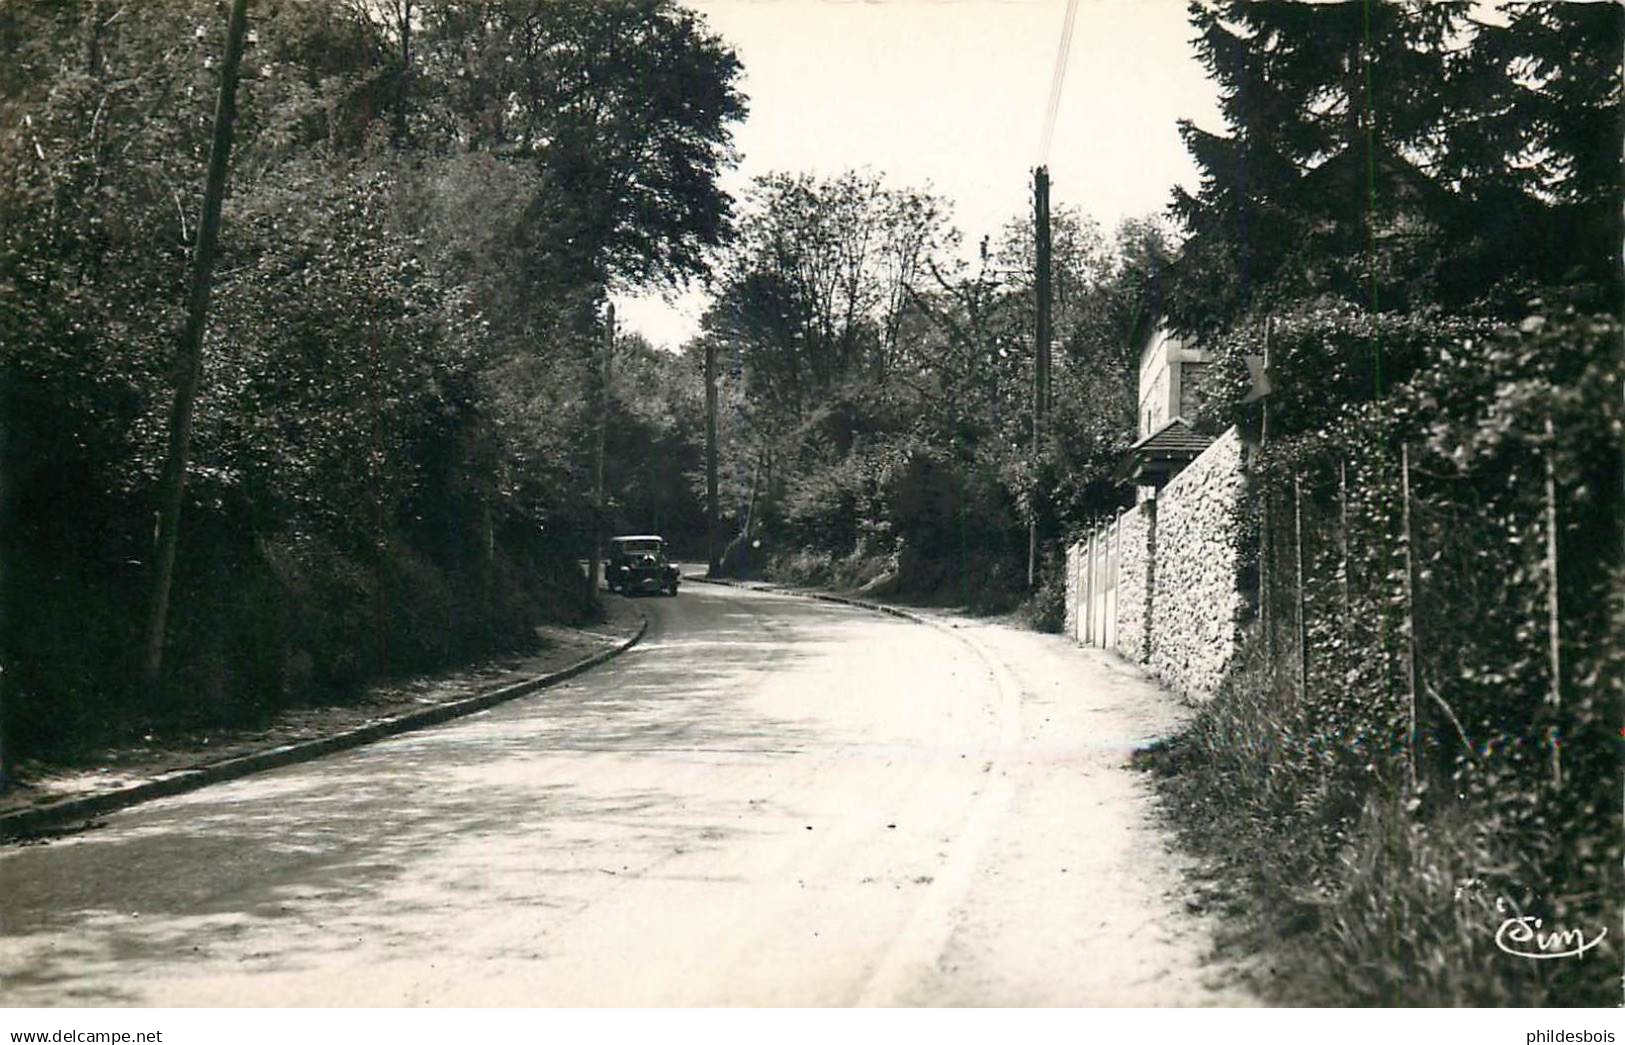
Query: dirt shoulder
x,y
1082,858
160,757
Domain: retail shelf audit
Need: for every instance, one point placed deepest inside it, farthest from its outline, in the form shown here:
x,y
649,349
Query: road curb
x,y
22,823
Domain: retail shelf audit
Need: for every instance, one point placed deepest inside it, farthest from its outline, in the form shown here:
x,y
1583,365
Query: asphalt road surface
x,y
769,801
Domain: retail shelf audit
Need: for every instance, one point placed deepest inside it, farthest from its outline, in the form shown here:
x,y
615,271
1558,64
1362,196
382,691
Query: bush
x,y
861,571
1045,609
804,566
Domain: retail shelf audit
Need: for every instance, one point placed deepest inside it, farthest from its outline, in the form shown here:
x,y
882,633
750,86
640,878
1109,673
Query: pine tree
x,y
1397,155
1324,181
1539,155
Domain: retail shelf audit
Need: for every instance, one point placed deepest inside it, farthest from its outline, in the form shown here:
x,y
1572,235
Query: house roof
x,y
1157,456
1175,436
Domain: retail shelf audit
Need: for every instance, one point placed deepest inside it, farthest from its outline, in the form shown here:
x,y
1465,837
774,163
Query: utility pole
x,y
598,453
713,554
189,365
1041,356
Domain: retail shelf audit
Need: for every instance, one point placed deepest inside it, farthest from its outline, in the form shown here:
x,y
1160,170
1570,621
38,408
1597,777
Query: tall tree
x,y
1539,152
389,399
624,108
1321,180
816,288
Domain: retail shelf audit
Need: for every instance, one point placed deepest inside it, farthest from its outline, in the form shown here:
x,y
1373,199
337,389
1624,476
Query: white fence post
x,y
1086,607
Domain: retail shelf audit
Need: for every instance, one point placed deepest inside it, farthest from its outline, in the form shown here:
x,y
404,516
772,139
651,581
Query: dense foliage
x,y
1414,214
1426,722
881,388
1402,155
428,202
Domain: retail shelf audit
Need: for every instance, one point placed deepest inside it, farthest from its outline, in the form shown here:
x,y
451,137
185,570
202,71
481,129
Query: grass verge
x,y
1343,885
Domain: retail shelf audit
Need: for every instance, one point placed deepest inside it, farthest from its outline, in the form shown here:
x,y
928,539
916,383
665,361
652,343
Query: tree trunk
x,y
189,366
93,39
380,505
1410,606
403,14
713,553
489,561
1297,565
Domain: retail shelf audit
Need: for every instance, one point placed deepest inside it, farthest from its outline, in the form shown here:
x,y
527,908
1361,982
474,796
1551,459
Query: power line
x,y
1057,80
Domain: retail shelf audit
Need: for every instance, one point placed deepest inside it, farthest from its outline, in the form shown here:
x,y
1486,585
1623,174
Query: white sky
x,y
951,94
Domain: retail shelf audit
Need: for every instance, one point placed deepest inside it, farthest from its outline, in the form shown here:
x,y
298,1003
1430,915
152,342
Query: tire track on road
x,y
916,950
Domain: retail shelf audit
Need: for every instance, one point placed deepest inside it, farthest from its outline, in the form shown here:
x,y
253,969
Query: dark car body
x,y
637,565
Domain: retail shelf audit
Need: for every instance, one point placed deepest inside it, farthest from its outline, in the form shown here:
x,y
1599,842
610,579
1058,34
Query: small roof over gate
x,y
1154,459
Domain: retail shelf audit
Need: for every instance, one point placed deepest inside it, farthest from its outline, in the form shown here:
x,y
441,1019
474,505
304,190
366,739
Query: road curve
x,y
770,801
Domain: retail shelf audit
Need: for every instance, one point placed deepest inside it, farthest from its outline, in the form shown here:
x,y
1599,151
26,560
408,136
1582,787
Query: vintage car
x,y
637,563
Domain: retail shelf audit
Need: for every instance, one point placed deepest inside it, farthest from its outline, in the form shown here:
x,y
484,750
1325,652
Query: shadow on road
x,y
264,870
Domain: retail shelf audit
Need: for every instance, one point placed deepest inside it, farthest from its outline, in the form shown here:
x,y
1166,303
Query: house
x,y
1170,372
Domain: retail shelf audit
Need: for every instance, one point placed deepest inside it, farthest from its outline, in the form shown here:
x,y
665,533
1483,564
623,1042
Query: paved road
x,y
770,801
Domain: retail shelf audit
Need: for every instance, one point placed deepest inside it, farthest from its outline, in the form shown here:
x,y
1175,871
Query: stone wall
x,y
1180,555
1197,603
1137,534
